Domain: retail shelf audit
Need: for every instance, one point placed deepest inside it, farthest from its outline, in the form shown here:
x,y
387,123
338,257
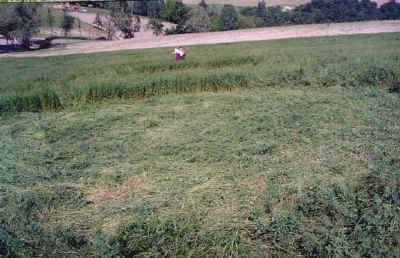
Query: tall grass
x,y
164,85
82,79
362,75
44,100
346,75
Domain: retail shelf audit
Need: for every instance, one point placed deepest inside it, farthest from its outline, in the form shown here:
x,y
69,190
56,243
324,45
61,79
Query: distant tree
x,y
203,5
97,20
79,26
140,7
368,10
320,11
229,18
123,21
156,26
6,29
275,16
122,5
8,23
27,19
127,28
154,8
212,11
138,24
67,23
246,22
115,9
390,10
175,11
198,21
110,28
261,9
50,19
120,20
249,11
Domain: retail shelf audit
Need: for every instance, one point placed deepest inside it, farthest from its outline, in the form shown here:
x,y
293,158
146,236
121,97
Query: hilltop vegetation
x,y
193,18
249,2
277,148
24,22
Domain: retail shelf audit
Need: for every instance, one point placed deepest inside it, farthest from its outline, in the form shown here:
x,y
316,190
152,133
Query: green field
x,y
279,148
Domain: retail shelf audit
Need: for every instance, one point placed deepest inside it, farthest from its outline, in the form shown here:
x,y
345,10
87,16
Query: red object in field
x,y
178,57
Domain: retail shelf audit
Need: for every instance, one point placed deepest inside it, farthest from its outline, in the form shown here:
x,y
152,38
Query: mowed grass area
x,y
281,148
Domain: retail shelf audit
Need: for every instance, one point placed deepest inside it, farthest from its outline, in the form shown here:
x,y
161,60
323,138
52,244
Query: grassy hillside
x,y
286,147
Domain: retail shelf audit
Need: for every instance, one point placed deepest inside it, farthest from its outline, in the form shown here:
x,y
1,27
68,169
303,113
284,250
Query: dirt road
x,y
298,31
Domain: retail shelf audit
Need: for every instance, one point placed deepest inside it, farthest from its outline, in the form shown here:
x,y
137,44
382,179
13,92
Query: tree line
x,y
316,11
206,17
323,11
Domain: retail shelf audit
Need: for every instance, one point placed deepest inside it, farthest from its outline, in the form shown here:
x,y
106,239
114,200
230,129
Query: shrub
x,y
228,19
198,21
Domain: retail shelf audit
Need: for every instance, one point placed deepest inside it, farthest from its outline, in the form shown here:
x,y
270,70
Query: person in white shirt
x,y
179,54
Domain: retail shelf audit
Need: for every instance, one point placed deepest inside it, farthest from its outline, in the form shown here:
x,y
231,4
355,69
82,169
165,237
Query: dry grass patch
x,y
135,187
99,195
155,134
256,185
225,212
